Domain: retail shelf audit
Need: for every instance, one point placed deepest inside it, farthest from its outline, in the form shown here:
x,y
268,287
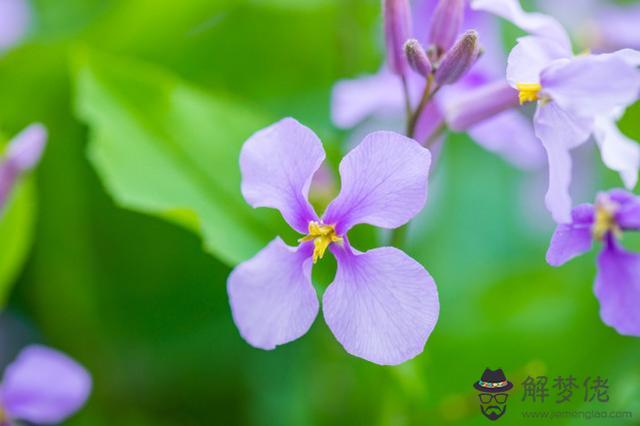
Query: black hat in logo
x,y
493,382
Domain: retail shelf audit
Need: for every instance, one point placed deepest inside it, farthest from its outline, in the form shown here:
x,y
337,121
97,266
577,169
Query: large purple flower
x,y
617,284
382,304
458,106
23,153
42,386
577,96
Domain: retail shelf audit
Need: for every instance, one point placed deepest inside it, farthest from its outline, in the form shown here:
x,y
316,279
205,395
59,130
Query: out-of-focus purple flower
x,y
42,386
14,21
446,24
397,30
598,25
22,155
459,59
617,284
576,96
382,304
381,96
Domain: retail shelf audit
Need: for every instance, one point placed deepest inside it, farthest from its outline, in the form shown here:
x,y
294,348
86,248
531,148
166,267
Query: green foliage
x,y
165,148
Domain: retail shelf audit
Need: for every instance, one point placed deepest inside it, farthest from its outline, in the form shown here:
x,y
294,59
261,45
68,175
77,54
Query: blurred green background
x,y
147,103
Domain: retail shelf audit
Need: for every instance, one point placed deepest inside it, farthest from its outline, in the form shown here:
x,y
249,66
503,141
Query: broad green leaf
x,y
165,148
16,231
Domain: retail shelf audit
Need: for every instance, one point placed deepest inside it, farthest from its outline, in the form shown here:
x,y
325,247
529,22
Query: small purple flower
x,y
382,304
22,155
577,96
380,96
14,20
617,283
42,386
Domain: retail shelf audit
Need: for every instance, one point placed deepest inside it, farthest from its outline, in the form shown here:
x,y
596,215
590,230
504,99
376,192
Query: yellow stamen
x,y
528,92
605,220
322,236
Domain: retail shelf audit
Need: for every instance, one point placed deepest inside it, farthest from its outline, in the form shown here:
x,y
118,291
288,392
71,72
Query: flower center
x,y
605,220
322,236
528,92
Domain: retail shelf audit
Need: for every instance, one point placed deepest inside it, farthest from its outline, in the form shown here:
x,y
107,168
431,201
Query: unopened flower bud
x,y
459,59
417,57
397,29
446,24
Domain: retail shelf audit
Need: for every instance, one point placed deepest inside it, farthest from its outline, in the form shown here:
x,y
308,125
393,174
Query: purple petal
x,y
384,183
510,135
630,56
530,56
572,239
44,386
277,165
627,215
271,296
354,100
14,21
23,153
618,26
382,305
617,287
531,22
618,152
559,131
592,85
26,147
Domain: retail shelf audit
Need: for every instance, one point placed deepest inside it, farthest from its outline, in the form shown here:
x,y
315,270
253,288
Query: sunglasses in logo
x,y
486,398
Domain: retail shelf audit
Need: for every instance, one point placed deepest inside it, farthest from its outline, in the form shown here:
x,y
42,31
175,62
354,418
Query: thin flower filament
x,y
322,236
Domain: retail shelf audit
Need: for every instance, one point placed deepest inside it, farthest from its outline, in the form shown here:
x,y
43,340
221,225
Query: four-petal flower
x,y
617,284
382,304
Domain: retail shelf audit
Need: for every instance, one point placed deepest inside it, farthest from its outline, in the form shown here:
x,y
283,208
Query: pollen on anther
x,y
528,92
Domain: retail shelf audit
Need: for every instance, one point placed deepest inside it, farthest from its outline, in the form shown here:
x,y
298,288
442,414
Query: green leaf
x,y
16,232
165,148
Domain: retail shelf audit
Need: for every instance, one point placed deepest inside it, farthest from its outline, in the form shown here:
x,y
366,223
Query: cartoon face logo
x,y
493,387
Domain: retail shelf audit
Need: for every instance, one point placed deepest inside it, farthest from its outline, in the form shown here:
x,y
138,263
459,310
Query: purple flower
x,y
599,25
382,304
14,20
617,283
577,96
23,153
42,386
380,96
